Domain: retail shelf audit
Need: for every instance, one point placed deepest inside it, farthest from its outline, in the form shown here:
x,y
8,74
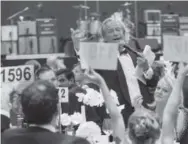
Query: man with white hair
x,y
123,80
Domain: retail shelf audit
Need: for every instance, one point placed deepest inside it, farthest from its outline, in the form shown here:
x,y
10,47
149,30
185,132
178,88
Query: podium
x,y
9,37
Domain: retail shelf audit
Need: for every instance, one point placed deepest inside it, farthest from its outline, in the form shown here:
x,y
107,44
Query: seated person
x,y
46,73
96,114
35,63
65,78
40,107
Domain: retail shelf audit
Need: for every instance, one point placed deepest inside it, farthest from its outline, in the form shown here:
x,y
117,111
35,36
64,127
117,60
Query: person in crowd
x,y
5,108
171,110
162,93
143,125
15,108
35,63
159,72
55,63
123,80
65,77
46,73
40,107
96,114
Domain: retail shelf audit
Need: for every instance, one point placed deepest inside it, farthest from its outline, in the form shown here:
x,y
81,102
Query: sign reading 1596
x,y
17,74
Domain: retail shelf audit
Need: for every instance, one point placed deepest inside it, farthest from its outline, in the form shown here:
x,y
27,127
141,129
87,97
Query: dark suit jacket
x,y
117,81
34,135
5,122
184,139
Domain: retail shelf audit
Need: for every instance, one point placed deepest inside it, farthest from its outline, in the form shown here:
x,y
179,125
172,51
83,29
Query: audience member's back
x,y
36,135
40,107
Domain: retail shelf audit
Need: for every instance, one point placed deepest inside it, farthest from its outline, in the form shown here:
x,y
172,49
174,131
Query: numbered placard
x,y
17,74
12,77
63,94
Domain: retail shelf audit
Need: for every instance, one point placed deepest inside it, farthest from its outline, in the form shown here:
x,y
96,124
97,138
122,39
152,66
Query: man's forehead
x,y
112,24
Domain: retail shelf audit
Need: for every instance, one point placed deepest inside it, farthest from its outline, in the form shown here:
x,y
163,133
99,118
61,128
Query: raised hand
x,y
138,102
77,36
183,69
94,77
142,62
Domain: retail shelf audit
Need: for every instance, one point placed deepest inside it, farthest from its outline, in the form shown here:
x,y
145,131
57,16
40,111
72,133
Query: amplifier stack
x,y
30,37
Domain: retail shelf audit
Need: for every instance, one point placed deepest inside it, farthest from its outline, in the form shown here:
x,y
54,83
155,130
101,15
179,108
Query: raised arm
x,y
115,114
171,109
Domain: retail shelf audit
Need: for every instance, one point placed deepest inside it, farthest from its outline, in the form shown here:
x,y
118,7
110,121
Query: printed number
x,y
62,92
27,74
11,75
3,75
18,74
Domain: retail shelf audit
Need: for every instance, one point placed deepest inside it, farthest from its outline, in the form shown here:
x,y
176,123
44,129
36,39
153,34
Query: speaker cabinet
x,y
48,44
28,45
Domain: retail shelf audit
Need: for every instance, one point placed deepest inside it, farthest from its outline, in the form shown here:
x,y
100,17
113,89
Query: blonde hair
x,y
169,80
143,125
110,20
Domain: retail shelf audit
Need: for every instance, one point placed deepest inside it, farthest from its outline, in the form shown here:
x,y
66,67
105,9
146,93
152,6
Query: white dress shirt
x,y
129,71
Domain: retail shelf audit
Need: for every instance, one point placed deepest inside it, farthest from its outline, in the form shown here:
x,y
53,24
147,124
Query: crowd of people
x,y
149,117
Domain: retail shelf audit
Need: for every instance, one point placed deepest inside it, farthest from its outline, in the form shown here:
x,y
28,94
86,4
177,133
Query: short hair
x,y
68,73
39,102
42,70
143,125
35,63
110,20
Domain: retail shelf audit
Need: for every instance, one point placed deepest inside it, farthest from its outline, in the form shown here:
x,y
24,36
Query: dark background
x,y
67,16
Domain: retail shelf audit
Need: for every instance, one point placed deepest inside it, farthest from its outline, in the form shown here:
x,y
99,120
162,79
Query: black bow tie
x,y
124,51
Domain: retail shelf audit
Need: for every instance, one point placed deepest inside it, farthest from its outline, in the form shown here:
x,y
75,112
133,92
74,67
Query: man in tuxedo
x,y
40,107
123,80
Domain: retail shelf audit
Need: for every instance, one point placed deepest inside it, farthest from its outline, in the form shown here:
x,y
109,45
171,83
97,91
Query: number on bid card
x,y
63,94
17,74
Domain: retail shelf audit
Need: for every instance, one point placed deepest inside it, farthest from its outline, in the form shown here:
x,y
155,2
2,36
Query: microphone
x,y
132,50
25,9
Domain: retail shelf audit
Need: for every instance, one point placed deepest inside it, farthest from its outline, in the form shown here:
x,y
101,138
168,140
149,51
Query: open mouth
x,y
116,39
